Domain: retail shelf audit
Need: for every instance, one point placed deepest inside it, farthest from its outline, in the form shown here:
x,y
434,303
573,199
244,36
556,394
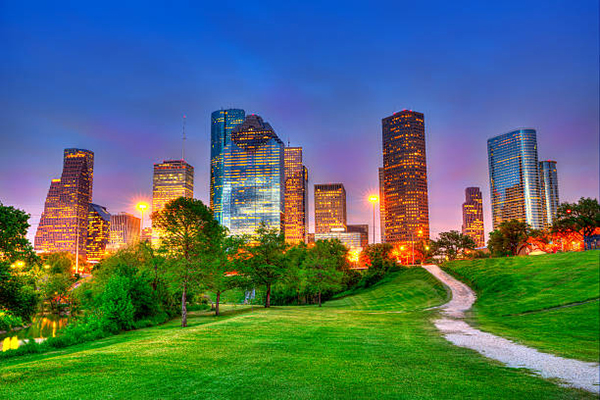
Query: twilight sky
x,y
116,79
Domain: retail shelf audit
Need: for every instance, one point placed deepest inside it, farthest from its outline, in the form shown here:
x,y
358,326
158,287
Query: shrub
x,y
116,308
8,320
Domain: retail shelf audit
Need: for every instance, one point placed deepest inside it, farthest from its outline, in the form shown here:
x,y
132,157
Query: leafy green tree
x,y
582,217
264,262
14,245
452,244
16,295
509,236
188,235
222,274
322,268
117,308
293,284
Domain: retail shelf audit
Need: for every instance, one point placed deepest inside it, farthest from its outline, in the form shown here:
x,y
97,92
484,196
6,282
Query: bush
x,y
117,308
8,320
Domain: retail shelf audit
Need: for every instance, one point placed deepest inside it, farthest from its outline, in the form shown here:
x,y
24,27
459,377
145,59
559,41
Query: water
x,y
42,327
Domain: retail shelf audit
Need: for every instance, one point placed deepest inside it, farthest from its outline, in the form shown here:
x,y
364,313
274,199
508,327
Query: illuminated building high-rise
x,y
514,178
363,229
172,179
549,188
253,178
124,231
381,206
64,221
296,196
330,207
405,196
472,210
98,233
222,124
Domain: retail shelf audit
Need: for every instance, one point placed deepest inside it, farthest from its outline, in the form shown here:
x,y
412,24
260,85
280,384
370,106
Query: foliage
x,y
323,267
8,320
582,217
379,260
16,295
507,239
452,244
13,230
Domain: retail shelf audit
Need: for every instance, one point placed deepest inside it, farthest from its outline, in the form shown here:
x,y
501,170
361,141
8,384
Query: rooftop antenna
x,y
183,140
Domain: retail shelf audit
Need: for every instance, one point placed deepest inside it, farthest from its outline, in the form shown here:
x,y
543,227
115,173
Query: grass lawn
x,y
522,297
348,349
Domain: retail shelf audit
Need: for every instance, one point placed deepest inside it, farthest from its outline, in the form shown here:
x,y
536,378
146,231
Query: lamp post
x,y
141,206
373,199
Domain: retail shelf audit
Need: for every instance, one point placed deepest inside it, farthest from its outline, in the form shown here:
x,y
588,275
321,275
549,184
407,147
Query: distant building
x,y
352,240
549,189
514,178
172,179
253,178
124,231
64,222
405,195
147,234
330,207
363,229
472,211
296,196
98,233
381,206
223,122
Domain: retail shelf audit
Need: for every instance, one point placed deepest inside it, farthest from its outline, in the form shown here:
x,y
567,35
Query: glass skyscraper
x,y
172,179
296,196
98,233
472,210
222,123
514,178
549,187
253,173
330,208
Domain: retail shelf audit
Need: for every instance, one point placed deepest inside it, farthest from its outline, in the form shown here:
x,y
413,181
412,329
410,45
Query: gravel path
x,y
573,373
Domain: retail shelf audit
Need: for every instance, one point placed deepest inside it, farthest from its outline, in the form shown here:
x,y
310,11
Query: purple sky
x,y
116,79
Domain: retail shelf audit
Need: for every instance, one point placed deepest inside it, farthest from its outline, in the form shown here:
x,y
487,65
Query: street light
x,y
373,199
141,206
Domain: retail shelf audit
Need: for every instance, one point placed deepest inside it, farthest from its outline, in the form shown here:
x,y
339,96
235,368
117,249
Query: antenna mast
x,y
183,141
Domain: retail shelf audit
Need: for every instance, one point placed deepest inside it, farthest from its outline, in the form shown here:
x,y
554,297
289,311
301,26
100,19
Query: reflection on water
x,y
42,327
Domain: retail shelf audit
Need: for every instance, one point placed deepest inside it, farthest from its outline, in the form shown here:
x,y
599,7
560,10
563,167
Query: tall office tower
x,y
363,229
172,179
514,178
222,124
405,195
98,233
64,222
472,210
381,207
549,190
124,231
253,178
330,208
296,196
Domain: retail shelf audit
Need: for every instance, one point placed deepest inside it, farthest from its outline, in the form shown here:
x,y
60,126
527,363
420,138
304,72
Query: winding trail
x,y
572,373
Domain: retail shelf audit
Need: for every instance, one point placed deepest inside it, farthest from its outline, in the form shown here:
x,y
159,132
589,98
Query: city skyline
x,y
469,91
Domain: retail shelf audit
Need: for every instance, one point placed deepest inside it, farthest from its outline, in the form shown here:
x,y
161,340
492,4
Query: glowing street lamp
x,y
141,206
373,199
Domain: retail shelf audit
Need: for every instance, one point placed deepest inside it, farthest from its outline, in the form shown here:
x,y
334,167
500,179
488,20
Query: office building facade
x,y
472,212
405,193
172,179
549,190
514,178
381,206
363,229
330,208
296,196
98,233
124,231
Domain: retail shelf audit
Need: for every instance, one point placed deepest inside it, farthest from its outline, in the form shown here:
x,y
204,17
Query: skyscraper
x,y
406,204
98,233
253,178
472,210
296,196
172,179
514,178
124,231
64,221
222,124
330,207
363,229
381,207
549,190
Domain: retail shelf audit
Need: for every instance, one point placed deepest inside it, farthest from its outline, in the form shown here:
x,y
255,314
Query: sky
x,y
117,77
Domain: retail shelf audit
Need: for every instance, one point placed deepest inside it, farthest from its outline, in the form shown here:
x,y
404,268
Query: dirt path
x,y
573,373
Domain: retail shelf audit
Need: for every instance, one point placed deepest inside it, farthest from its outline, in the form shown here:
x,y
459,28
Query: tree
x,y
14,245
582,217
322,267
508,237
264,259
222,273
187,237
452,244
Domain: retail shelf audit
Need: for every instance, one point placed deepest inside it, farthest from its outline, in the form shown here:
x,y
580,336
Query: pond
x,y
42,327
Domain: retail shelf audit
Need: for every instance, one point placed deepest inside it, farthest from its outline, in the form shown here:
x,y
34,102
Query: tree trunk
x,y
319,298
217,305
268,299
184,306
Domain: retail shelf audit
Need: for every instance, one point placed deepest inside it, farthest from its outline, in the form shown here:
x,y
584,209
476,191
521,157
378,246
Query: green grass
x,y
344,350
520,298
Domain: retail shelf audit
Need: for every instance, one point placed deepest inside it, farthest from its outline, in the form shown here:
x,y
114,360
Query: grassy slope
x,y
288,352
516,297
